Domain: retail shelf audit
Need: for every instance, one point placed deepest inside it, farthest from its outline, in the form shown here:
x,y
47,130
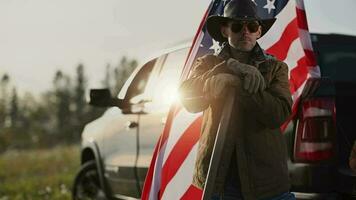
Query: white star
x,y
270,5
216,47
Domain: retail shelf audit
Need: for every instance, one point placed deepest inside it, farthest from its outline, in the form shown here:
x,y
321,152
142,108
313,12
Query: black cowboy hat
x,y
236,10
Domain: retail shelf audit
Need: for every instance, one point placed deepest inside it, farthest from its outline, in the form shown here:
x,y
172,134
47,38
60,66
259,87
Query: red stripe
x,y
171,115
298,74
148,180
281,47
192,193
302,19
311,61
179,152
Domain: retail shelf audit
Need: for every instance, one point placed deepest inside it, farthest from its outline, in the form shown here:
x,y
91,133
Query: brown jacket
x,y
254,131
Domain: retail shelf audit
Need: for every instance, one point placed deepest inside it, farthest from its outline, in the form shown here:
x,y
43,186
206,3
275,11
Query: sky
x,y
38,37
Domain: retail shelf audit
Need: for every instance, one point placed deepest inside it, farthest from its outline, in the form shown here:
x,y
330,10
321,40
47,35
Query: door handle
x,y
131,124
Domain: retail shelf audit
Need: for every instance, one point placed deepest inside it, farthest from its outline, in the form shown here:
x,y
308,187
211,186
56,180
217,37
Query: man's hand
x,y
253,80
215,86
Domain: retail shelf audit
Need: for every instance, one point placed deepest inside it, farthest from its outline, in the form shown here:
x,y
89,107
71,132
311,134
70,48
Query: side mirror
x,y
103,98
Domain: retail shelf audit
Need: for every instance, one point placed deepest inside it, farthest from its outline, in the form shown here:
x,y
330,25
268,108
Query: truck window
x,y
136,83
164,90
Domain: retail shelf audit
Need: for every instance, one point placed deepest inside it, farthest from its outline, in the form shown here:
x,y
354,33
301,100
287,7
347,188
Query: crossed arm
x,y
271,106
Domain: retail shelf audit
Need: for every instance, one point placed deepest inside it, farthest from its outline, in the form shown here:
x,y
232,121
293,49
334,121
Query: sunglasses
x,y
252,26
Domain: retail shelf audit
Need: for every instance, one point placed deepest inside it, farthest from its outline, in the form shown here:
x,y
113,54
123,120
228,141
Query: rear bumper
x,y
314,196
308,178
322,196
300,196
321,182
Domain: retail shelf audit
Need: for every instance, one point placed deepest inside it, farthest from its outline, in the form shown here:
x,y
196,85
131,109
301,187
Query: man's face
x,y
242,35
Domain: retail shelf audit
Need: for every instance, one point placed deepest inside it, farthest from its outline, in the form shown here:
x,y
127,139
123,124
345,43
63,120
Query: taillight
x,y
315,131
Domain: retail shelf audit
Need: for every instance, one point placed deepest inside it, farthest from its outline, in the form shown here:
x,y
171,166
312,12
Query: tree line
x,y
58,115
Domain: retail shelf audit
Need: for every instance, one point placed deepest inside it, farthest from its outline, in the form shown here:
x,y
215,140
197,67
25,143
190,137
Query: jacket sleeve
x,y
191,90
273,106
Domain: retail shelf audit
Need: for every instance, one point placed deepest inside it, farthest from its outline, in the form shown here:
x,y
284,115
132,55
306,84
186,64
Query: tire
x,y
87,184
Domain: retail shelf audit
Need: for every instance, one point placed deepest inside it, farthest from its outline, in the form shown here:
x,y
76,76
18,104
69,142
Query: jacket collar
x,y
258,55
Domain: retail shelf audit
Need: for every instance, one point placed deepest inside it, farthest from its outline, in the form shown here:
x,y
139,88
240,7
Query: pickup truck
x,y
118,146
322,133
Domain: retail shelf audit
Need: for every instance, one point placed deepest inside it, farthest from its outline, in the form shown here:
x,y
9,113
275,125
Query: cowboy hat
x,y
236,10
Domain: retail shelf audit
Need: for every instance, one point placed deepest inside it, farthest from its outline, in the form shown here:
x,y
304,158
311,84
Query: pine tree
x,y
80,103
14,111
79,94
63,104
4,82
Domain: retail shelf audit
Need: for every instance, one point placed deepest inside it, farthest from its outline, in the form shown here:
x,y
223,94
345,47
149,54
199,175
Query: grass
x,y
38,174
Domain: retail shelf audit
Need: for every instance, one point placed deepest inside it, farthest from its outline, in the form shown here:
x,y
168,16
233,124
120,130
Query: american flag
x,y
171,171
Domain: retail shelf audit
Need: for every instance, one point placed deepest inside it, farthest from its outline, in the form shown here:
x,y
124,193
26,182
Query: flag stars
x,y
270,5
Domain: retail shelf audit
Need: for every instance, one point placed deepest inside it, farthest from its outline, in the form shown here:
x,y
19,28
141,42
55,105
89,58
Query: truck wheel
x,y
86,183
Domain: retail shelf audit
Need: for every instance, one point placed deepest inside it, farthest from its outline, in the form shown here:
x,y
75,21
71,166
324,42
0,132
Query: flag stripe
x,y
297,93
180,151
275,32
295,53
304,37
280,48
298,74
155,187
181,182
172,113
182,121
302,19
192,193
311,57
149,175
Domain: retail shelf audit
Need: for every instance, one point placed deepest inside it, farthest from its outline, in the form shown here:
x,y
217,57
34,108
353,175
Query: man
x,y
254,161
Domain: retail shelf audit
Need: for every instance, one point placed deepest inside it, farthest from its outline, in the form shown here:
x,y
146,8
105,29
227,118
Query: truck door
x,y
120,134
158,97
